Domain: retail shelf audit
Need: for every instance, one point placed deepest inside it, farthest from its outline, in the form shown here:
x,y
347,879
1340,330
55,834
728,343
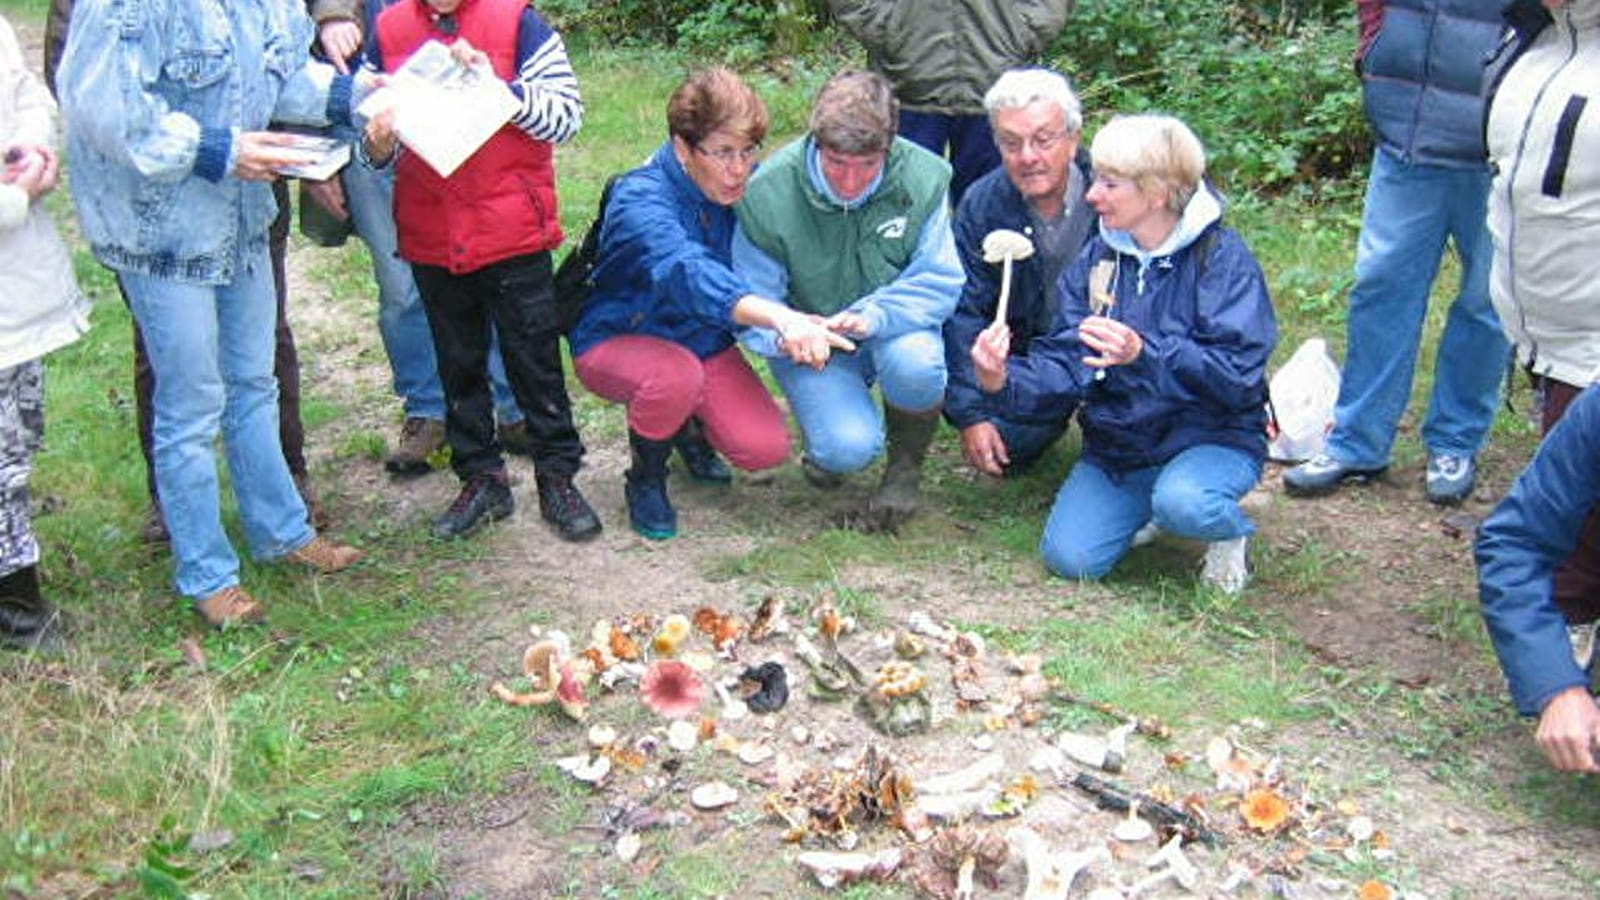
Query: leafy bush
x,y
1267,85
727,30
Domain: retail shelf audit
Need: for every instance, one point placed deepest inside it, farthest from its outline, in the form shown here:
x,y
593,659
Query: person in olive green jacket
x,y
851,226
941,56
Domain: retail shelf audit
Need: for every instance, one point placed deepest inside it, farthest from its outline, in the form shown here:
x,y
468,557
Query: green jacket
x,y
833,254
942,55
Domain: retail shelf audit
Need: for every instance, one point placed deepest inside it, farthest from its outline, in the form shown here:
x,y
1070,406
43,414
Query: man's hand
x,y
1116,343
989,354
340,40
1569,731
849,324
381,137
330,196
985,449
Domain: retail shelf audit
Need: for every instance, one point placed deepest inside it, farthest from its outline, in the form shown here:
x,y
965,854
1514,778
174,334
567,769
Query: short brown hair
x,y
713,99
855,112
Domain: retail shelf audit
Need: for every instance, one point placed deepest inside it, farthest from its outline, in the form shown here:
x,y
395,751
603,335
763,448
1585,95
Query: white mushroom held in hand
x,y
1004,246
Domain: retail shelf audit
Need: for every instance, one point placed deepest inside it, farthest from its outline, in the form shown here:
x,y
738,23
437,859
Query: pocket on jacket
x,y
198,67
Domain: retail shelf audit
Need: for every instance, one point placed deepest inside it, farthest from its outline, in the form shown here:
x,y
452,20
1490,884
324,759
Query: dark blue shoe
x,y
1322,475
701,460
649,510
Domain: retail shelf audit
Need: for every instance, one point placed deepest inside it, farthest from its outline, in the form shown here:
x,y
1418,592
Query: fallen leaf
x,y
1375,890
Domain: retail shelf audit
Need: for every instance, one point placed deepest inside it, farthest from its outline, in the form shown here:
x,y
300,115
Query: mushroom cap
x,y
1003,242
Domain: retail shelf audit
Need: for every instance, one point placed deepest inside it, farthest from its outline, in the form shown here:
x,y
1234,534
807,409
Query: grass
x,y
308,746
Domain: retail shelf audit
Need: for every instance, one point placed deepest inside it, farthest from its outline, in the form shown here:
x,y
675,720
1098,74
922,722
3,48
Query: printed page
x,y
443,111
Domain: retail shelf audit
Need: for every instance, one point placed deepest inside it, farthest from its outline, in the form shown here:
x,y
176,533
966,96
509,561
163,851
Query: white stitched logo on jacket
x,y
893,229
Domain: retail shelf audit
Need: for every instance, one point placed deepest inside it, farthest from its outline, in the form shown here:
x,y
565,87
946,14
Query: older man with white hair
x,y
1038,192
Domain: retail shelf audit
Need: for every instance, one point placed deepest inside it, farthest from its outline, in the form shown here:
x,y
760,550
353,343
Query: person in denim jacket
x,y
167,104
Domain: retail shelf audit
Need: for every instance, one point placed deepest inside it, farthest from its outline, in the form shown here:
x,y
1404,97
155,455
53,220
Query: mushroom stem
x,y
1005,290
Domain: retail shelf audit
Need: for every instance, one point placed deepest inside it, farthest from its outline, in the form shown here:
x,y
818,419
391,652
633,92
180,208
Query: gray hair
x,y
1022,87
855,113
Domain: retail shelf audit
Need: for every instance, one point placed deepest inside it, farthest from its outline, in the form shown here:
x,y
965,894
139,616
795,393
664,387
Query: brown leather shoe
x,y
230,608
155,526
420,440
325,556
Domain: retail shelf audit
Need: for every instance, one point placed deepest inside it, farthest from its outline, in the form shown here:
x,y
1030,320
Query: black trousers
x,y
514,295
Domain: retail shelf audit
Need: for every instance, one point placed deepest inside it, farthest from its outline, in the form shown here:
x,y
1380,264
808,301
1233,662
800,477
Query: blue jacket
x,y
1519,547
665,268
1208,330
1422,75
994,202
155,94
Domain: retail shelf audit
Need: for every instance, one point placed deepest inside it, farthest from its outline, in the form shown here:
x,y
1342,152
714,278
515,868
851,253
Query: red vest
x,y
501,202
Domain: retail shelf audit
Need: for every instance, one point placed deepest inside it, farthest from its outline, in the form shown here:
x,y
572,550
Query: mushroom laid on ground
x,y
672,689
1003,246
675,629
554,680
1051,874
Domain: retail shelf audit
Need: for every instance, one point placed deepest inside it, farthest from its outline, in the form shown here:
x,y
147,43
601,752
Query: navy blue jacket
x,y
994,202
1422,75
1201,378
1519,547
665,265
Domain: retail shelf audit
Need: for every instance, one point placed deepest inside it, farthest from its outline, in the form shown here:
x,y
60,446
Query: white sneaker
x,y
1583,643
1227,565
1146,534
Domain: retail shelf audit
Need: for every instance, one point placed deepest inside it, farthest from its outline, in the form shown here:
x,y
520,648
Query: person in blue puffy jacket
x,y
1163,340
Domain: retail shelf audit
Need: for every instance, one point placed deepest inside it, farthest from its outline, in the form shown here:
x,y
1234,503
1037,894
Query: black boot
x,y
650,511
485,497
562,505
27,620
899,492
698,455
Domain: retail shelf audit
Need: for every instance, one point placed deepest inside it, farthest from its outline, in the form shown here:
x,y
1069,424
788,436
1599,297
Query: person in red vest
x,y
479,244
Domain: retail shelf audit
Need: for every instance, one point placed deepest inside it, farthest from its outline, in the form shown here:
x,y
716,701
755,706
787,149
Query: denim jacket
x,y
155,95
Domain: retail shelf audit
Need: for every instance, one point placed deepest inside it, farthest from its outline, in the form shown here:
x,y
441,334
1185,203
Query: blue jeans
x,y
1194,495
211,348
402,322
1410,211
842,426
971,141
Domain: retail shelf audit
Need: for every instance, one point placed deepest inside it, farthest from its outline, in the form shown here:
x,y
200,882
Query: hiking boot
x,y
420,439
562,505
230,607
316,513
1227,565
650,511
899,492
485,496
154,530
325,556
1322,474
820,478
515,439
698,455
1450,479
28,622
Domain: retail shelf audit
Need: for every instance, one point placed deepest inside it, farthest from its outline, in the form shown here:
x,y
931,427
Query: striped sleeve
x,y
545,84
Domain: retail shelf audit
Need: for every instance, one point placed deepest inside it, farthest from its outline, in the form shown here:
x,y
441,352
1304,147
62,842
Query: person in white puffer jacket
x,y
41,309
1543,135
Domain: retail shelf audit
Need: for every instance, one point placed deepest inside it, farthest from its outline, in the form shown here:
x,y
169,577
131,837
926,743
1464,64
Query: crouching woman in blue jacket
x,y
1163,340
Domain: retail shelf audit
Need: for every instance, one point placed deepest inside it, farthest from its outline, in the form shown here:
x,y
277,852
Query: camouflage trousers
x,y
21,433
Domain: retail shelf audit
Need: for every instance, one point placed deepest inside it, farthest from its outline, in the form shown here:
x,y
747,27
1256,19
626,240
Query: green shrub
x,y
1267,85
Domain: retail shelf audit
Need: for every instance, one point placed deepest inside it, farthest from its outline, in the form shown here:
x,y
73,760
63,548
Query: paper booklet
x,y
443,111
325,156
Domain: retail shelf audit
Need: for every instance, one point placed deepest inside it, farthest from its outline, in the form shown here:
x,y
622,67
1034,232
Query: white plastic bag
x,y
1304,392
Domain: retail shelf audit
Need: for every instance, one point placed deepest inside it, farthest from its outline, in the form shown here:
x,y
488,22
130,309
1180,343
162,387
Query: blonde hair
x,y
855,113
1152,151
